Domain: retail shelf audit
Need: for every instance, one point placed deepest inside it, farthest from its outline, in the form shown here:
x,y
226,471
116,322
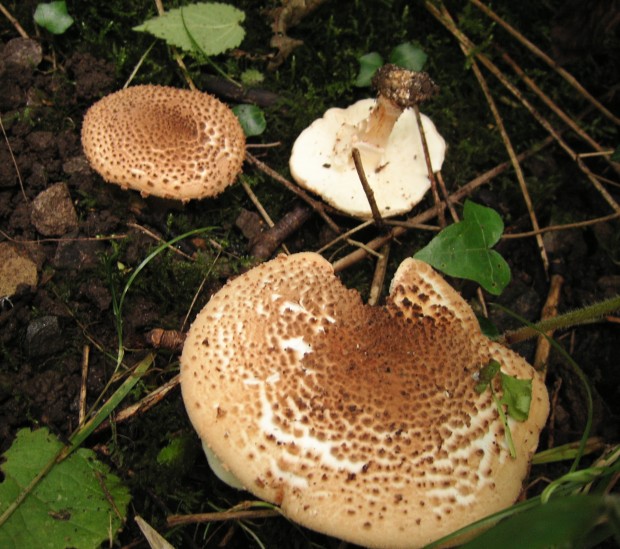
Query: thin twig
x,y
19,175
177,57
370,195
465,190
257,203
83,385
13,21
345,236
549,310
444,192
379,277
179,520
445,19
511,153
542,55
159,239
314,204
267,242
600,150
429,168
143,405
565,227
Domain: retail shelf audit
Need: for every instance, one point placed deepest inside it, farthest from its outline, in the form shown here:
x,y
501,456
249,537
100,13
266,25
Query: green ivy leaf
x,y
69,507
53,17
210,28
251,118
464,249
408,56
517,396
369,64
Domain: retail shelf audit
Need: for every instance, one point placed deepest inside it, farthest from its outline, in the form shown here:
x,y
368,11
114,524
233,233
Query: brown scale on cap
x,y
164,141
360,422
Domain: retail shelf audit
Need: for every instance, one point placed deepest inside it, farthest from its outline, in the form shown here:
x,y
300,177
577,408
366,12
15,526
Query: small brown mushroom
x,y
386,133
164,141
360,422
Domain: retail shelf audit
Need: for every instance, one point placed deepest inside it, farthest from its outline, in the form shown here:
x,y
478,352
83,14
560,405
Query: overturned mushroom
x,y
360,422
386,133
164,141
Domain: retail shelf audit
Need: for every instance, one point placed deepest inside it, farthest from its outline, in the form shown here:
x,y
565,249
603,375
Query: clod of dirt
x,y
22,53
16,268
53,213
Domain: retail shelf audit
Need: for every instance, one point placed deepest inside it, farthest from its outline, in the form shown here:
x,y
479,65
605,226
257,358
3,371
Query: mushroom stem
x,y
378,126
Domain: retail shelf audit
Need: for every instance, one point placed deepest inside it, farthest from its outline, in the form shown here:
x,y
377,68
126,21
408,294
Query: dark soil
x,y
86,237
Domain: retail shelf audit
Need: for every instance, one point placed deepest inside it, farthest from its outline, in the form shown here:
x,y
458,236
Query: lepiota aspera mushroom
x,y
360,422
386,133
164,141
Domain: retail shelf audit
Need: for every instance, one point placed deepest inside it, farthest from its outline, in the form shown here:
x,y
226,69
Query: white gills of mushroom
x,y
359,422
386,133
163,141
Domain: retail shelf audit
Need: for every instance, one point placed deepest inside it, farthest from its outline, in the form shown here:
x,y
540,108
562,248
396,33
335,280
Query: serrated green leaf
x,y
69,507
408,56
464,249
53,17
369,64
517,396
210,28
251,118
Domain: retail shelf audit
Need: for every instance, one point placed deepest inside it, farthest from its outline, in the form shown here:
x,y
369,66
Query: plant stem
x,y
566,320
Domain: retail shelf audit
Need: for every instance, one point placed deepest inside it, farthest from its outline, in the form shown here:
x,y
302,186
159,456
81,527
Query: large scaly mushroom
x,y
164,141
360,422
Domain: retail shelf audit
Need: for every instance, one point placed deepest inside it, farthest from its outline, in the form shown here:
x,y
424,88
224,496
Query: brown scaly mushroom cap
x,y
164,141
360,422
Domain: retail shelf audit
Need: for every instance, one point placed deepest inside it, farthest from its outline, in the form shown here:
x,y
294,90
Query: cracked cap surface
x,y
360,422
164,141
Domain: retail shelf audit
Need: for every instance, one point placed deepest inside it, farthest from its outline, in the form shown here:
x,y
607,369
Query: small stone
x,y
16,268
53,213
44,337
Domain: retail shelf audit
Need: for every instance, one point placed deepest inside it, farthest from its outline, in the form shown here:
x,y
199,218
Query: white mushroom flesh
x,y
321,160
